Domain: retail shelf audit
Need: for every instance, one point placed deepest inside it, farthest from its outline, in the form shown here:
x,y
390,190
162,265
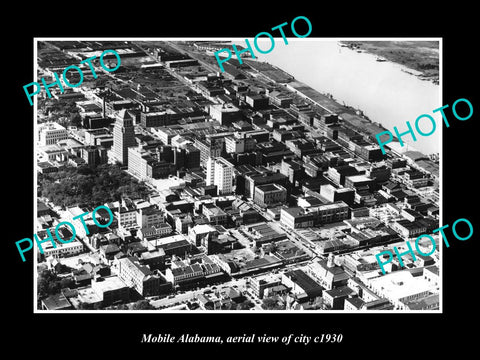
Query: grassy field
x,y
422,56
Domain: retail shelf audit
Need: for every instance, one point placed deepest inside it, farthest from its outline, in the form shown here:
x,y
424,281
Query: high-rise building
x,y
123,136
210,171
220,172
223,176
210,147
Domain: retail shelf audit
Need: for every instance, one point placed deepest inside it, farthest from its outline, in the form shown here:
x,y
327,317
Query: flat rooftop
x,y
303,280
269,187
109,283
401,284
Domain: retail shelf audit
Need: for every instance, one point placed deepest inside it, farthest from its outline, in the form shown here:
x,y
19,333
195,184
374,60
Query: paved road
x,y
192,294
242,239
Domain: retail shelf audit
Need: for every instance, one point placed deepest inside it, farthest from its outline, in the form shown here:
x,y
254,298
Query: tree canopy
x,y
142,305
50,284
271,303
89,187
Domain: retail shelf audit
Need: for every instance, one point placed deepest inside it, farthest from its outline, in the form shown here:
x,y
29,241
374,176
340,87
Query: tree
x,y
90,186
85,170
47,284
271,303
118,307
66,282
85,306
142,305
246,305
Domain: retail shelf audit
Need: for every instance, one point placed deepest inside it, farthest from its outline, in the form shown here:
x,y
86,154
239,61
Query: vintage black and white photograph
x,y
262,174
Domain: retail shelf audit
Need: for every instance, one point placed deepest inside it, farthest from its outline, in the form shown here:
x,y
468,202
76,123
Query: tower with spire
x,y
330,261
123,136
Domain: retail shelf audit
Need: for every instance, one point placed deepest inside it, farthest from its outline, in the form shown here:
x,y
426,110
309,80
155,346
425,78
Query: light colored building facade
x,y
220,172
269,194
137,162
51,133
225,114
62,250
123,136
139,277
297,217
111,289
149,216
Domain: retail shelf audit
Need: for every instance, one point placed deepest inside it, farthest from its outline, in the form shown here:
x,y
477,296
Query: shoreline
x,y
359,122
429,72
354,118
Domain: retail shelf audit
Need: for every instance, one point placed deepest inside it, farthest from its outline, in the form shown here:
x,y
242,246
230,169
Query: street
x,y
183,297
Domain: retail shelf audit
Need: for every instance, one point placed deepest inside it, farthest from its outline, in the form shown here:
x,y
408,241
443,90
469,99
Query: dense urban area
x,y
236,190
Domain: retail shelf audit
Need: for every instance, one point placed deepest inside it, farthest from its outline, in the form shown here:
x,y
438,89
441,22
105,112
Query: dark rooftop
x,y
303,280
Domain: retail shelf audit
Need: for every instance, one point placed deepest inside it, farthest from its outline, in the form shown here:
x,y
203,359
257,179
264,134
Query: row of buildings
x,y
248,181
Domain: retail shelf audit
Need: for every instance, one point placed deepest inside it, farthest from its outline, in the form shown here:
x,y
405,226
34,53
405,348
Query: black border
x,y
363,333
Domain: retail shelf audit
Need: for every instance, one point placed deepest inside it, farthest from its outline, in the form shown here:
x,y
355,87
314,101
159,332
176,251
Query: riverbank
x,y
368,90
355,118
420,56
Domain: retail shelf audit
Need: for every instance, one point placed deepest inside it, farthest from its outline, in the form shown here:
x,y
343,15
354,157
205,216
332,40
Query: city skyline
x,y
240,191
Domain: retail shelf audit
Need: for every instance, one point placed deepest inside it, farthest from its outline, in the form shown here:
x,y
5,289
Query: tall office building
x,y
123,136
220,172
210,171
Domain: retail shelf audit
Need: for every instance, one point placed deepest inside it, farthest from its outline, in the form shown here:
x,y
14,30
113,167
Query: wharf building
x,y
256,101
324,121
367,151
281,99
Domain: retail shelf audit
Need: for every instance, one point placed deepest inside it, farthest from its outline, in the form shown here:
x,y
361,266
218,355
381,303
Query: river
x,y
384,92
